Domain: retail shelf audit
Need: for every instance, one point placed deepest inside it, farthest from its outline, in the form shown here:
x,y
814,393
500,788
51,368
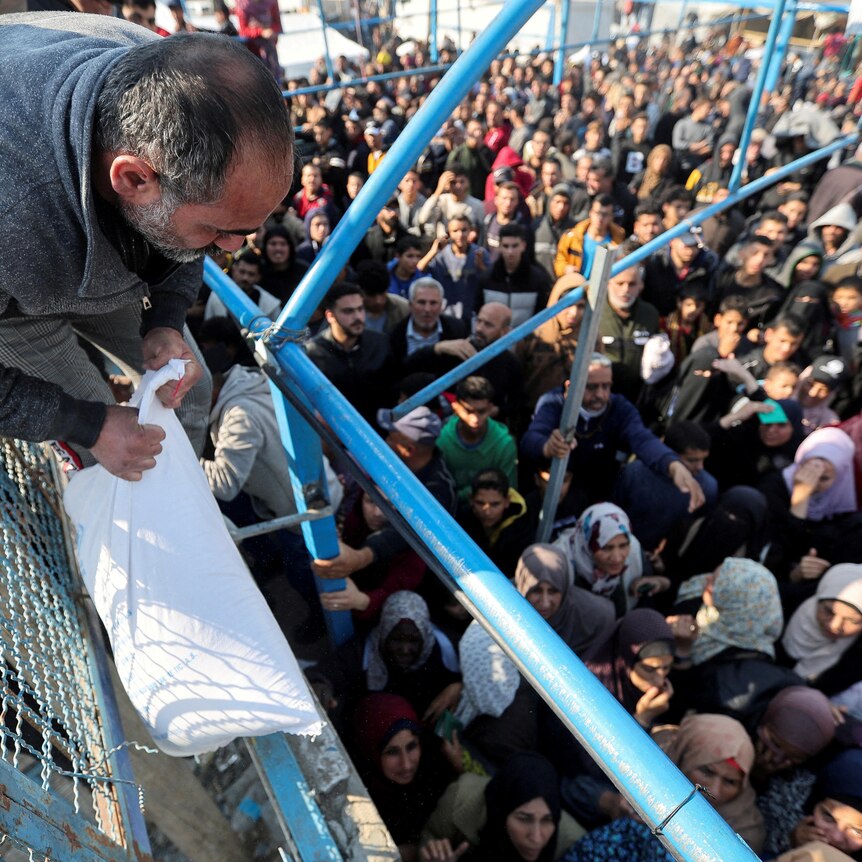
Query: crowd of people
x,y
705,555
704,560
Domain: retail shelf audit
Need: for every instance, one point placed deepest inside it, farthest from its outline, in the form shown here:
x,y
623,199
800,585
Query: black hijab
x,y
525,776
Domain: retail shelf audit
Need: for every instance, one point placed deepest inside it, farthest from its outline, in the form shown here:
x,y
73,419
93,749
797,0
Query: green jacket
x,y
497,449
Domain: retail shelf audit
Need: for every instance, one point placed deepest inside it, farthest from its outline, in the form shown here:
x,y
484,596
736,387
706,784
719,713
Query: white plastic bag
x,y
197,649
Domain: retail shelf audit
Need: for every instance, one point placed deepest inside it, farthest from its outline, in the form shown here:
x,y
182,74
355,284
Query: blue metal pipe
x,y
757,94
358,82
301,446
784,37
445,381
404,152
597,19
653,785
327,56
560,60
432,34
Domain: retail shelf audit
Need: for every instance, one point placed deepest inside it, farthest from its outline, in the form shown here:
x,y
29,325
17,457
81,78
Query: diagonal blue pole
x,y
560,61
432,32
404,152
327,55
757,94
690,828
445,381
777,59
302,446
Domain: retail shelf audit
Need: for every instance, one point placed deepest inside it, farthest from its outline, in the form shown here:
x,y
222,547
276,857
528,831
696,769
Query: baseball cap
x,y
776,416
371,129
503,175
692,237
830,370
419,425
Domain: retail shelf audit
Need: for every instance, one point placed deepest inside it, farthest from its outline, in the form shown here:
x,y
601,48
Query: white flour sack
x,y
197,649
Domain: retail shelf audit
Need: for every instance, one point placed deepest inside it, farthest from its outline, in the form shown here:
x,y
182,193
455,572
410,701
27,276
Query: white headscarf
x,y
803,638
597,526
489,675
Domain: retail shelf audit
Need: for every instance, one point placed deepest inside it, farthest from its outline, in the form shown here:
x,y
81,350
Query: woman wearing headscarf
x,y
825,626
404,775
739,618
834,808
713,751
513,817
497,709
632,660
405,654
733,528
749,444
797,725
607,559
577,615
808,501
657,177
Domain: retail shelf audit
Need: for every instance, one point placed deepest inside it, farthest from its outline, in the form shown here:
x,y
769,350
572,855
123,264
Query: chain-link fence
x,y
51,727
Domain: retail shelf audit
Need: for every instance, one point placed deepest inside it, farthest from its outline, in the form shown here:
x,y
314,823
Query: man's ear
x,y
133,180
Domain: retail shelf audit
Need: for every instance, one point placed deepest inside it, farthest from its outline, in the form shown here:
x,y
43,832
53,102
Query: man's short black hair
x,y
603,166
675,193
490,479
475,388
372,277
773,215
794,326
685,435
849,282
339,291
408,242
604,201
647,208
760,239
734,302
249,257
459,170
513,229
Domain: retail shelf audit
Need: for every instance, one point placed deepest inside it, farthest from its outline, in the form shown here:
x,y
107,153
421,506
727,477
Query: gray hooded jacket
x,y
249,455
52,67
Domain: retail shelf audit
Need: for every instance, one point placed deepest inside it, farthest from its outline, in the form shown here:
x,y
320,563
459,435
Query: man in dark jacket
x,y
513,280
683,261
427,328
607,425
551,227
359,362
94,186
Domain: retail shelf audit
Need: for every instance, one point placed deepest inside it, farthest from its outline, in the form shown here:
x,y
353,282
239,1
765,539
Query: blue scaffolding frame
x,y
309,406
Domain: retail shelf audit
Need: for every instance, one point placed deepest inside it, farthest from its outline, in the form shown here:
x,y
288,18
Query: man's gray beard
x,y
153,222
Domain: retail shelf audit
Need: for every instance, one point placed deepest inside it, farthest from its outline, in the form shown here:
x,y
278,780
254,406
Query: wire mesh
x,y
49,719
